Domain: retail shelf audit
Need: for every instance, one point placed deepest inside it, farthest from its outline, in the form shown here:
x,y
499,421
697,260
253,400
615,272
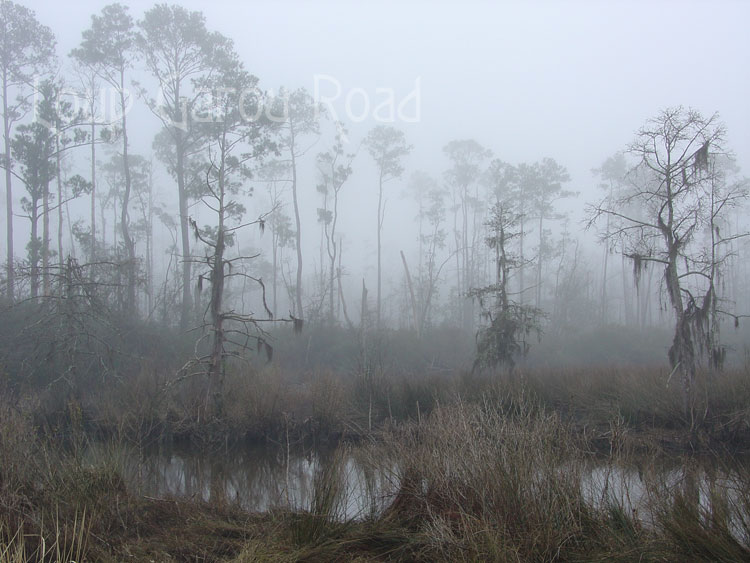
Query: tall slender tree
x,y
276,174
335,168
27,51
33,149
90,90
236,146
466,158
387,147
69,134
179,50
612,175
38,148
550,176
108,47
301,119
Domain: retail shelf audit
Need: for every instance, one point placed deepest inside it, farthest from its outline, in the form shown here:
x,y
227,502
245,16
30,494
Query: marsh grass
x,y
326,516
461,468
512,483
63,545
474,480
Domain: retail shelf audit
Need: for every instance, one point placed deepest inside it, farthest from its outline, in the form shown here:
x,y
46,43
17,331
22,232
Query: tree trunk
x,y
341,292
603,304
521,265
539,262
34,249
92,250
627,312
46,237
60,221
465,303
8,191
124,220
380,227
187,301
150,241
411,294
331,290
298,233
332,252
363,329
217,294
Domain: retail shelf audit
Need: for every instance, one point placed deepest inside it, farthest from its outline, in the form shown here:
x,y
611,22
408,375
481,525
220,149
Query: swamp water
x,y
269,477
258,478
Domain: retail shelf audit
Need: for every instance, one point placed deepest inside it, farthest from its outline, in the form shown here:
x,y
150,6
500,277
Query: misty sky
x,y
571,80
568,80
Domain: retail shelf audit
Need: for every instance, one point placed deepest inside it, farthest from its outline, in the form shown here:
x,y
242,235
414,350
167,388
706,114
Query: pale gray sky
x,y
569,80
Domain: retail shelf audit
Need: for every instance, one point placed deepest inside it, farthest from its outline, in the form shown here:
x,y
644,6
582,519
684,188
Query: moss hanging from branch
x,y
700,158
640,263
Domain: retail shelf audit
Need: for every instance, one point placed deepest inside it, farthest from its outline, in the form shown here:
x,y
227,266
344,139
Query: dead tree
x,y
660,217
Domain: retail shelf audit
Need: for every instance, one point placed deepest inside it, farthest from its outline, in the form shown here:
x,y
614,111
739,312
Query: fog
x,y
405,280
570,81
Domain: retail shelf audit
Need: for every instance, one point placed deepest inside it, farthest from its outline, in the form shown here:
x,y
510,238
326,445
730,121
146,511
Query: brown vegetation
x,y
480,469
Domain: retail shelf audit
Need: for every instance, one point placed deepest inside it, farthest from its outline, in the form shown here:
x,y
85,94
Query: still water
x,y
257,478
272,477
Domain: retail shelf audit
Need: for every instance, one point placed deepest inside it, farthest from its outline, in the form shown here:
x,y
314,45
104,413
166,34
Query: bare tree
x,y
671,184
546,191
430,197
276,174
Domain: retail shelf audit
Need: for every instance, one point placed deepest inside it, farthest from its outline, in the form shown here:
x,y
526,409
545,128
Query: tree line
x,y
494,250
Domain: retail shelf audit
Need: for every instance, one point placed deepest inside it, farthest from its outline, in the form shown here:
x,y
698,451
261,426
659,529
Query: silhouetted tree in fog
x,y
430,197
236,145
387,147
673,186
302,120
178,49
33,149
27,51
108,47
38,148
466,158
509,323
334,168
612,174
276,174
547,189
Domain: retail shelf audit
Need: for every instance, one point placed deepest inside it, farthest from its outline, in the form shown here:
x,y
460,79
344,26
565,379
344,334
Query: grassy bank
x,y
468,482
605,405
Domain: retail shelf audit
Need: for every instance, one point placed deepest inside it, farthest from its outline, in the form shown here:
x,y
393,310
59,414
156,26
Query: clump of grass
x,y
702,514
326,516
475,482
473,478
62,543
12,546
